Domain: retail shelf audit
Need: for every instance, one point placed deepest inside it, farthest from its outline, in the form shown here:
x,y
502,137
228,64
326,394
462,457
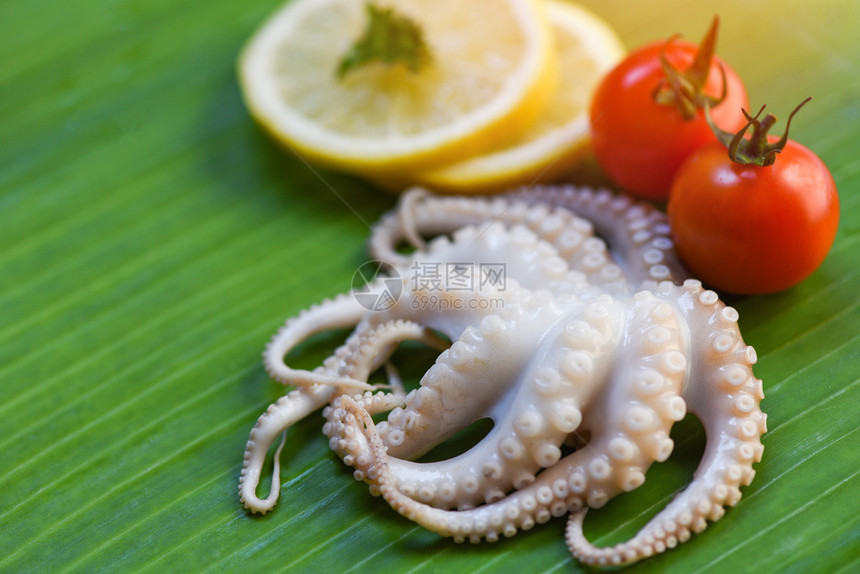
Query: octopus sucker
x,y
592,328
597,476
432,215
366,347
517,447
637,233
725,397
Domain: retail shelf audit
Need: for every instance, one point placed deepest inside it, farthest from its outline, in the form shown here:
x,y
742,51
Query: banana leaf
x,y
152,238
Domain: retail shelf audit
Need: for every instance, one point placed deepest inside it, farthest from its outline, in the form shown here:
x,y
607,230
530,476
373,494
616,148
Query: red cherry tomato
x,y
749,229
639,143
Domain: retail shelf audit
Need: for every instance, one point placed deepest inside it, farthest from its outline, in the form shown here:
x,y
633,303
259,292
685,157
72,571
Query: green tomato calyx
x,y
389,38
756,149
686,90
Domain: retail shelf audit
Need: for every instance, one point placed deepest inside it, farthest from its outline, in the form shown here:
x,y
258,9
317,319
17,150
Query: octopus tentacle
x,y
636,231
342,311
407,210
529,261
615,460
550,396
280,415
342,440
631,421
356,358
572,236
586,476
726,398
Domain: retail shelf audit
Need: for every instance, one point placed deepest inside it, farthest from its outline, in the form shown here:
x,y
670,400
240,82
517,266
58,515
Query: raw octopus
x,y
576,336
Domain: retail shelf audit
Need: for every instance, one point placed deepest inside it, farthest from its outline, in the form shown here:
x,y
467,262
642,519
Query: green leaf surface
x,y
152,239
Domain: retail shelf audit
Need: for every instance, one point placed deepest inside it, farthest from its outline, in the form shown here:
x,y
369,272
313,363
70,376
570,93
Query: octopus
x,y
597,331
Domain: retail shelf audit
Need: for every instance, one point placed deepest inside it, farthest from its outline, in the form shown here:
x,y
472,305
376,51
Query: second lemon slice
x,y
587,48
490,73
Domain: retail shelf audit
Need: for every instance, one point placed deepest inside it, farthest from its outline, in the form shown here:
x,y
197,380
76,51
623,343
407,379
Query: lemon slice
x,y
491,71
587,48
